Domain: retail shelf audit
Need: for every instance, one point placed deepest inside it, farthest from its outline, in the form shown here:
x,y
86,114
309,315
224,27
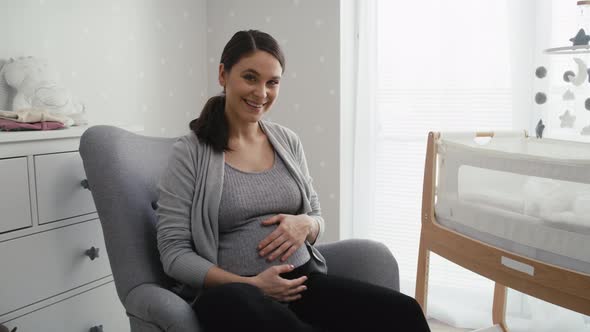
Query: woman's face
x,y
251,86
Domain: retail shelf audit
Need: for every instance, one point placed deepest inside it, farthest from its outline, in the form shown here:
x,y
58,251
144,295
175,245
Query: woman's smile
x,y
253,106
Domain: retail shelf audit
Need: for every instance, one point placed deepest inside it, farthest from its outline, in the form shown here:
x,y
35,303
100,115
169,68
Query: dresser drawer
x,y
98,306
42,265
60,194
15,203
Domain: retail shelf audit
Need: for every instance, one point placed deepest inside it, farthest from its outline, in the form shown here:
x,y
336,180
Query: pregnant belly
x,y
238,253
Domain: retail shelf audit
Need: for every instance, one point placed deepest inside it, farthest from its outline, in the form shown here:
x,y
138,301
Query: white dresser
x,y
54,269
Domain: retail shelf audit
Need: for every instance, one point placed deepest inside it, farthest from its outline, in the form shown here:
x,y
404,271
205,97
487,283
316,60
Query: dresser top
x,y
23,136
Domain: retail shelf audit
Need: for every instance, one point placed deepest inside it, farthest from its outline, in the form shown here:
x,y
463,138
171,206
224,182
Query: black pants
x,y
330,303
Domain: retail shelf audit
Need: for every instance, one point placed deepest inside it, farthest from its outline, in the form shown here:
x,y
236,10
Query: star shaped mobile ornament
x,y
581,38
568,95
539,129
567,120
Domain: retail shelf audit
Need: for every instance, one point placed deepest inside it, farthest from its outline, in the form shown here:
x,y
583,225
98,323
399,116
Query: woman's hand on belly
x,y
277,287
289,235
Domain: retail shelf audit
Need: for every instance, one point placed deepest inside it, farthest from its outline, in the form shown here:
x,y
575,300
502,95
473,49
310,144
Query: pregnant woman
x,y
238,216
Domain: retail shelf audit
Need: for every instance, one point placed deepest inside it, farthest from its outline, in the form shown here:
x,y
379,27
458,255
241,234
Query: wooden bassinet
x,y
562,286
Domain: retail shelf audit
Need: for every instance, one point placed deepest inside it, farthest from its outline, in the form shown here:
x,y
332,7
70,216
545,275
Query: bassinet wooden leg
x,y
499,307
426,218
422,276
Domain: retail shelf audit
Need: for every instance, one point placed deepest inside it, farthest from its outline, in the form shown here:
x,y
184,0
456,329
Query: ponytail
x,y
211,126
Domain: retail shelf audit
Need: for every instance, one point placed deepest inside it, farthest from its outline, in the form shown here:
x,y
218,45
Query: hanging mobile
x,y
581,41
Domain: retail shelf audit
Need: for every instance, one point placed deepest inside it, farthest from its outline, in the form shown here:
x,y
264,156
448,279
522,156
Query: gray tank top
x,y
246,200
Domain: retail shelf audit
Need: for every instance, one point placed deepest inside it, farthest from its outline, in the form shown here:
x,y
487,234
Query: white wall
x,y
153,63
133,62
309,102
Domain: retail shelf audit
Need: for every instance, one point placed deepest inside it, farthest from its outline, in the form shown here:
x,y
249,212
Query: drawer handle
x,y
92,253
5,329
84,184
96,328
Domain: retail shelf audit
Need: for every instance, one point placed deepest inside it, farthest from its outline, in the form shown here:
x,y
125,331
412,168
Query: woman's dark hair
x,y
211,126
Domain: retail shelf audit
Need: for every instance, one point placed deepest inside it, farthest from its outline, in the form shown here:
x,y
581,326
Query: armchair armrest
x,y
363,260
159,306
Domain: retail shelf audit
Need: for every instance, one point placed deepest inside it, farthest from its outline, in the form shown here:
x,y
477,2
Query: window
x,y
440,66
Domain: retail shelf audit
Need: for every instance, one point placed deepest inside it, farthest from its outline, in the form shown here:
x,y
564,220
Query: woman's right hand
x,y
277,287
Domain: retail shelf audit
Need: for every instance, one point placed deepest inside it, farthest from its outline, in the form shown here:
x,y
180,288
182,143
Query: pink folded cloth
x,y
9,125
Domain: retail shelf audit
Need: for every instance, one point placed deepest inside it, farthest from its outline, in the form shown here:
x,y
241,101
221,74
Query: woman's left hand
x,y
286,238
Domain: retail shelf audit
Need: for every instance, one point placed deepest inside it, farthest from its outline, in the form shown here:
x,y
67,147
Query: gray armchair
x,y
122,169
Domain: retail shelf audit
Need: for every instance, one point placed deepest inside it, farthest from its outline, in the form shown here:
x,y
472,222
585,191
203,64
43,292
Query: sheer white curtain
x,y
436,65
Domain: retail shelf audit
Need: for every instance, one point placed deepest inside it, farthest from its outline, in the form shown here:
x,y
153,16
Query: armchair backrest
x,y
122,170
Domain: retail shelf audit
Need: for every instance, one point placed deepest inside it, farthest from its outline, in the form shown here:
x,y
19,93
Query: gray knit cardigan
x,y
190,194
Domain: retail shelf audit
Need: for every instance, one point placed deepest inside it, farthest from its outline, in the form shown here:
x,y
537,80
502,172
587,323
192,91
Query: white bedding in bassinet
x,y
528,196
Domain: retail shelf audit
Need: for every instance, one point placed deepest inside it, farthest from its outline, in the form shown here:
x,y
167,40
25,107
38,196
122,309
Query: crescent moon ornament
x,y
582,75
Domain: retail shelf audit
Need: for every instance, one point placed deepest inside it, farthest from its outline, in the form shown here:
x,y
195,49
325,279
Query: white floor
x,y
436,326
